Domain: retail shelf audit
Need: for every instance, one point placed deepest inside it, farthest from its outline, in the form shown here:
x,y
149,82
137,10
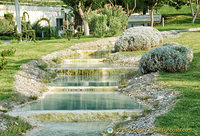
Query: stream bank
x,y
36,80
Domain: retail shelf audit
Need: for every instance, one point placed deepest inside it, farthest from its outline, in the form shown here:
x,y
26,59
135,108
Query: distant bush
x,y
6,27
167,58
138,38
45,29
108,20
8,16
7,37
68,33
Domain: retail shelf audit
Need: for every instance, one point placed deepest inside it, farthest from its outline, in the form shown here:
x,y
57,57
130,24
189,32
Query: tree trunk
x,y
86,27
152,17
197,11
131,11
85,23
191,8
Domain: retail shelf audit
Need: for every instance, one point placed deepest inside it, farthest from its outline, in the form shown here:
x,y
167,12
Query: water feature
x,y
83,100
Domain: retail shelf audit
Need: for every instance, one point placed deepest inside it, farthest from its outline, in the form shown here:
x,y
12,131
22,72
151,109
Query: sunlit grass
x,y
186,113
27,51
177,19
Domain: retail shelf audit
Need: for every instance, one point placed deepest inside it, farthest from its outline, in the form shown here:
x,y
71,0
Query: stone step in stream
x,y
83,93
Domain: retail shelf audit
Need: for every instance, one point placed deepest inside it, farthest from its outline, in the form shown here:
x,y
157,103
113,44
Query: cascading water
x,y
83,100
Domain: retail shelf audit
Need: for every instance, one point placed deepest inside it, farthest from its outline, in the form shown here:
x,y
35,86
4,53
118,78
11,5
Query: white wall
x,y
35,13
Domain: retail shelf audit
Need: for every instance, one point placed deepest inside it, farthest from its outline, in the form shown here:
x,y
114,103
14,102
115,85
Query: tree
x,y
179,3
130,5
130,9
194,16
84,6
152,4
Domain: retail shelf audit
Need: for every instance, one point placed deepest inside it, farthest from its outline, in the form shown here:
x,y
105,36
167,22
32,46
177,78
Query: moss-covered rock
x,y
138,38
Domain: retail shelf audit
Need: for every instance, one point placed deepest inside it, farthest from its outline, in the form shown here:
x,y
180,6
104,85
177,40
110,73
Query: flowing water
x,y
83,100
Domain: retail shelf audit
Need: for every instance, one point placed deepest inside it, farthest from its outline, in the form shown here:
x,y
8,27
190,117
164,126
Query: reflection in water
x,y
84,101
89,71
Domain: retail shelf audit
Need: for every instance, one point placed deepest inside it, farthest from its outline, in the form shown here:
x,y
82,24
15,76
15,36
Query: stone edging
x,y
29,80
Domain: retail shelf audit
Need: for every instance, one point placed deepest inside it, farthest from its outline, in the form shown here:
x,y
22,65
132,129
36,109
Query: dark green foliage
x,y
79,33
43,66
45,29
30,35
8,16
18,36
69,34
7,37
85,4
177,3
33,97
3,63
57,60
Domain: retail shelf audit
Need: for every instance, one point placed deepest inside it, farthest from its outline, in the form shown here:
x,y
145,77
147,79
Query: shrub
x,y
67,33
8,16
30,35
115,26
8,52
6,27
6,37
138,38
115,15
3,63
100,27
184,50
163,58
45,29
18,37
109,19
79,34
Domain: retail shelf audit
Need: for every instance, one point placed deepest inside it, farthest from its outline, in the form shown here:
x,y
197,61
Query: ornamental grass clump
x,y
167,58
138,38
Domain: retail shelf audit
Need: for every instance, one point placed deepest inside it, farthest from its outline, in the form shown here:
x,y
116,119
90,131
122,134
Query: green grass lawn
x,y
25,53
177,19
186,113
